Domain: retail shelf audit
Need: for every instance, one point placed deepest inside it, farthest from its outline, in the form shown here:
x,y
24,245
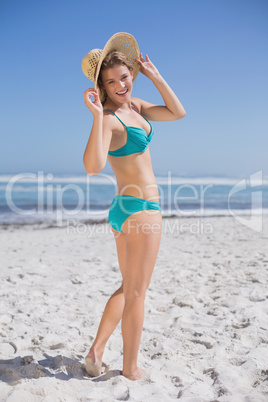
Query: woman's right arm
x,y
96,151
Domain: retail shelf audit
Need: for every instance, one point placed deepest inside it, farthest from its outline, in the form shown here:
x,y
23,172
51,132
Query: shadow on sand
x,y
63,368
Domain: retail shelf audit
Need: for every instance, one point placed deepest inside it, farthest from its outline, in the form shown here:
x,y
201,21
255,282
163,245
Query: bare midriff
x,y
134,175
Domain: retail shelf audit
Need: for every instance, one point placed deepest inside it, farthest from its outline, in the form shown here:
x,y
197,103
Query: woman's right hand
x,y
94,106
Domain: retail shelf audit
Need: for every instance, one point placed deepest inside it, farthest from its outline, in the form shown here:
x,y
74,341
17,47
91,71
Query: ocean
x,y
36,197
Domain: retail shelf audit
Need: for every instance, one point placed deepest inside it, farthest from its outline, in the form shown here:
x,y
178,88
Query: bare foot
x,y
93,363
135,375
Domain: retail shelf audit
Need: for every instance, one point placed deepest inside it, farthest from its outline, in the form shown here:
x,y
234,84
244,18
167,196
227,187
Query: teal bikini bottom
x,y
123,206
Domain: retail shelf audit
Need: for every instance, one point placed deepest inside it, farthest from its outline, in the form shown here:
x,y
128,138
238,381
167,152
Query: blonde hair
x,y
115,57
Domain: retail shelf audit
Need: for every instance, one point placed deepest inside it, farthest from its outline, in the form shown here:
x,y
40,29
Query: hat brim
x,y
125,43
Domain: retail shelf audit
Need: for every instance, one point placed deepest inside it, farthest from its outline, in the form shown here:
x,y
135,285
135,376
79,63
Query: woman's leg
x,y
143,235
112,313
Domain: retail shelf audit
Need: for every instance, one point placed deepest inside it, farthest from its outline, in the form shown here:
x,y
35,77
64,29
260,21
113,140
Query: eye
x,y
110,82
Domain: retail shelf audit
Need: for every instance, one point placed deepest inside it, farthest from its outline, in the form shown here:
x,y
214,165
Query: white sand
x,y
205,331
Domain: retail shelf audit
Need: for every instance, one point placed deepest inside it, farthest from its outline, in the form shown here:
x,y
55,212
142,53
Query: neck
x,y
123,106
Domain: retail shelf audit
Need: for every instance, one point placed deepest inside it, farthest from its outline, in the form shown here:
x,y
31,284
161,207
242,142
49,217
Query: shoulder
x,y
143,107
137,103
108,120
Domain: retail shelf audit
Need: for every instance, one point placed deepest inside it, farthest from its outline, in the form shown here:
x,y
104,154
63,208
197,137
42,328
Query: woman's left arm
x,y
173,109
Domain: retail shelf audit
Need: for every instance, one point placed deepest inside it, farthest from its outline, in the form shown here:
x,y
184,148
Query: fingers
x,y
96,95
90,92
142,60
141,57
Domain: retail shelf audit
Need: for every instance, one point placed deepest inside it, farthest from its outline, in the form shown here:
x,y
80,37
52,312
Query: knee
x,y
134,293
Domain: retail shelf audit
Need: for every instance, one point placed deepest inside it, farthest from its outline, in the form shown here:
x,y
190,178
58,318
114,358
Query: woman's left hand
x,y
146,67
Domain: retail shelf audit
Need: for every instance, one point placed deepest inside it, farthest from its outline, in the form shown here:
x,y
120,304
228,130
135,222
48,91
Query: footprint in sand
x,y
176,381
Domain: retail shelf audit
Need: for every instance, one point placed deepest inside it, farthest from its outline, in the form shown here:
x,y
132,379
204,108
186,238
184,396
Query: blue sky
x,y
213,53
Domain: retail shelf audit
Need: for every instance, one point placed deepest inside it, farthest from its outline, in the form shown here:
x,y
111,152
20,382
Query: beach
x,y
205,331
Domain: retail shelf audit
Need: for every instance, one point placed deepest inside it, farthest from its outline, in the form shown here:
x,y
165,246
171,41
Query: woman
x,y
121,132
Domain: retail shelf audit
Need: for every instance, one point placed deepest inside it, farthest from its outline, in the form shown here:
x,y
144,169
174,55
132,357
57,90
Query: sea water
x,y
37,197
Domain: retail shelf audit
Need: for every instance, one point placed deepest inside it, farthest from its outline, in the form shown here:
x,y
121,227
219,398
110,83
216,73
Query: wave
x,y
106,179
59,218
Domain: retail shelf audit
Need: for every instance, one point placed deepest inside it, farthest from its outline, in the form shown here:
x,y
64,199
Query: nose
x,y
121,84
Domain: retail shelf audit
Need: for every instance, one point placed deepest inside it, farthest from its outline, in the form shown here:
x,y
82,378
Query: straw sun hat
x,y
123,42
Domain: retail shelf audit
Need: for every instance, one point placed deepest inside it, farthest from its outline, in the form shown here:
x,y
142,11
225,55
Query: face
x,y
117,81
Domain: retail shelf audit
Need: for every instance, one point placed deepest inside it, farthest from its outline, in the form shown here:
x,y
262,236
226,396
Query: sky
x,y
213,54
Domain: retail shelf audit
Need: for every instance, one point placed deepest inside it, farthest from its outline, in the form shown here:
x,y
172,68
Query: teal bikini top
x,y
137,140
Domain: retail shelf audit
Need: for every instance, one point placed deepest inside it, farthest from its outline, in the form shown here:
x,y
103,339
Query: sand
x,y
205,331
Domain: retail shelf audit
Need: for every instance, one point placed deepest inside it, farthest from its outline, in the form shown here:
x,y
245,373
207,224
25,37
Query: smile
x,y
122,93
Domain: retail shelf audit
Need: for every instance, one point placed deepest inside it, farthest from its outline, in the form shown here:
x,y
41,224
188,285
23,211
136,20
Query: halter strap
x,y
108,110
